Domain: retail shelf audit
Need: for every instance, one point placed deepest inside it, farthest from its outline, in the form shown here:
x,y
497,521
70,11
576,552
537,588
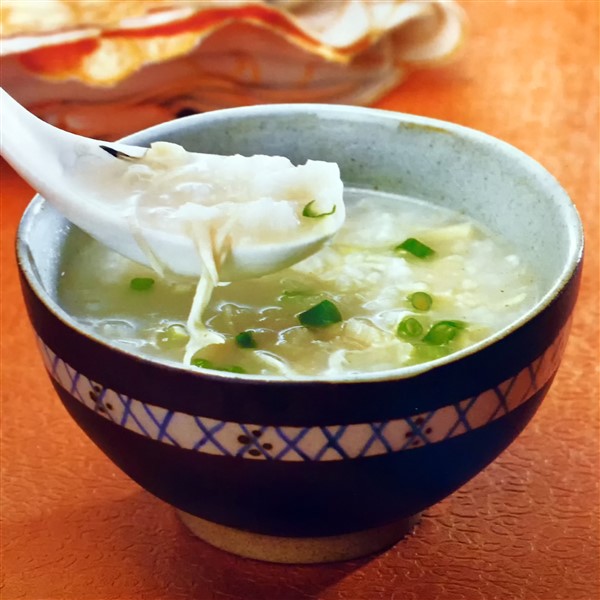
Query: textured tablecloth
x,y
527,528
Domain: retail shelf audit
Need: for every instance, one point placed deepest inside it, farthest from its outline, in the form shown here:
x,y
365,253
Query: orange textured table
x,y
527,528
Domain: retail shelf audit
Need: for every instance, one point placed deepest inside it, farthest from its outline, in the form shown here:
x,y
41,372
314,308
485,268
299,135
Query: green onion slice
x,y
141,284
409,328
420,301
416,248
443,332
202,363
308,211
207,364
232,369
324,314
245,339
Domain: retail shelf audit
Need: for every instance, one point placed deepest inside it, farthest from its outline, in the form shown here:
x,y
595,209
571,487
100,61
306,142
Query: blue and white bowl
x,y
307,471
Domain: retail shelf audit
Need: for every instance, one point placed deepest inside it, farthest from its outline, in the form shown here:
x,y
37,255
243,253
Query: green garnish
x,y
202,362
409,328
308,211
420,301
425,352
245,339
141,284
324,314
232,369
206,364
443,332
416,248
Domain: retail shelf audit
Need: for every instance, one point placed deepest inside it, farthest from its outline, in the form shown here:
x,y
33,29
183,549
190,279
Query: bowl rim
x,y
544,179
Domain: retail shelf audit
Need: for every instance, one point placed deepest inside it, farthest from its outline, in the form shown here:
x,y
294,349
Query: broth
x,y
403,282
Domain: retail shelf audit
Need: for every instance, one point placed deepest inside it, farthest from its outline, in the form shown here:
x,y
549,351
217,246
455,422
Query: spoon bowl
x,y
51,161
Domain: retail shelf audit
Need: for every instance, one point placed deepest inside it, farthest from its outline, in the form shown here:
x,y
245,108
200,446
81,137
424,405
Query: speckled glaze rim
x,y
359,114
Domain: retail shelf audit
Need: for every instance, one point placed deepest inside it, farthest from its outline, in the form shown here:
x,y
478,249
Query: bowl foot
x,y
299,550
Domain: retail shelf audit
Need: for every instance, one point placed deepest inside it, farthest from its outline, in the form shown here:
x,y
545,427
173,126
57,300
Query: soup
x,y
403,282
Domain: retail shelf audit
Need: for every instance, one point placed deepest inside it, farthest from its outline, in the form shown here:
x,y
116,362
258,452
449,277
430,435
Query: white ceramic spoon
x,y
48,158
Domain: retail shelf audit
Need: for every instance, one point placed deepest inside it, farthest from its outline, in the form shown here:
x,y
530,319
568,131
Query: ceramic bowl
x,y
306,471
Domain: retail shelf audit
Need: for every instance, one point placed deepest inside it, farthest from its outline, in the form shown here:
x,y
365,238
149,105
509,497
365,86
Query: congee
x,y
403,282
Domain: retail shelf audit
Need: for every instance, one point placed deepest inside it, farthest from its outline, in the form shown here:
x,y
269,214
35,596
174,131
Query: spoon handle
x,y
39,151
30,145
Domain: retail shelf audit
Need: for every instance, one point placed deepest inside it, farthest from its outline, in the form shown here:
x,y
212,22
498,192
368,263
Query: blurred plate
x,y
108,68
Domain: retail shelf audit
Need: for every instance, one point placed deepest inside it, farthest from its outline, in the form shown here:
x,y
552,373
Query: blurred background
x,y
150,61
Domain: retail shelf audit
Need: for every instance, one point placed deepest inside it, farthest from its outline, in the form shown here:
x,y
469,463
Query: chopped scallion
x,y
425,352
141,284
324,314
420,301
308,211
207,364
232,369
416,248
245,339
202,363
409,328
443,332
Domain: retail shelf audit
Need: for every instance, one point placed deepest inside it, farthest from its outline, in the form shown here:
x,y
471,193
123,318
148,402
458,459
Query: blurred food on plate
x,y
148,61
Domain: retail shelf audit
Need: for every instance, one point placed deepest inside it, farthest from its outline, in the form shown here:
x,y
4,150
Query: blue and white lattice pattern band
x,y
331,442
